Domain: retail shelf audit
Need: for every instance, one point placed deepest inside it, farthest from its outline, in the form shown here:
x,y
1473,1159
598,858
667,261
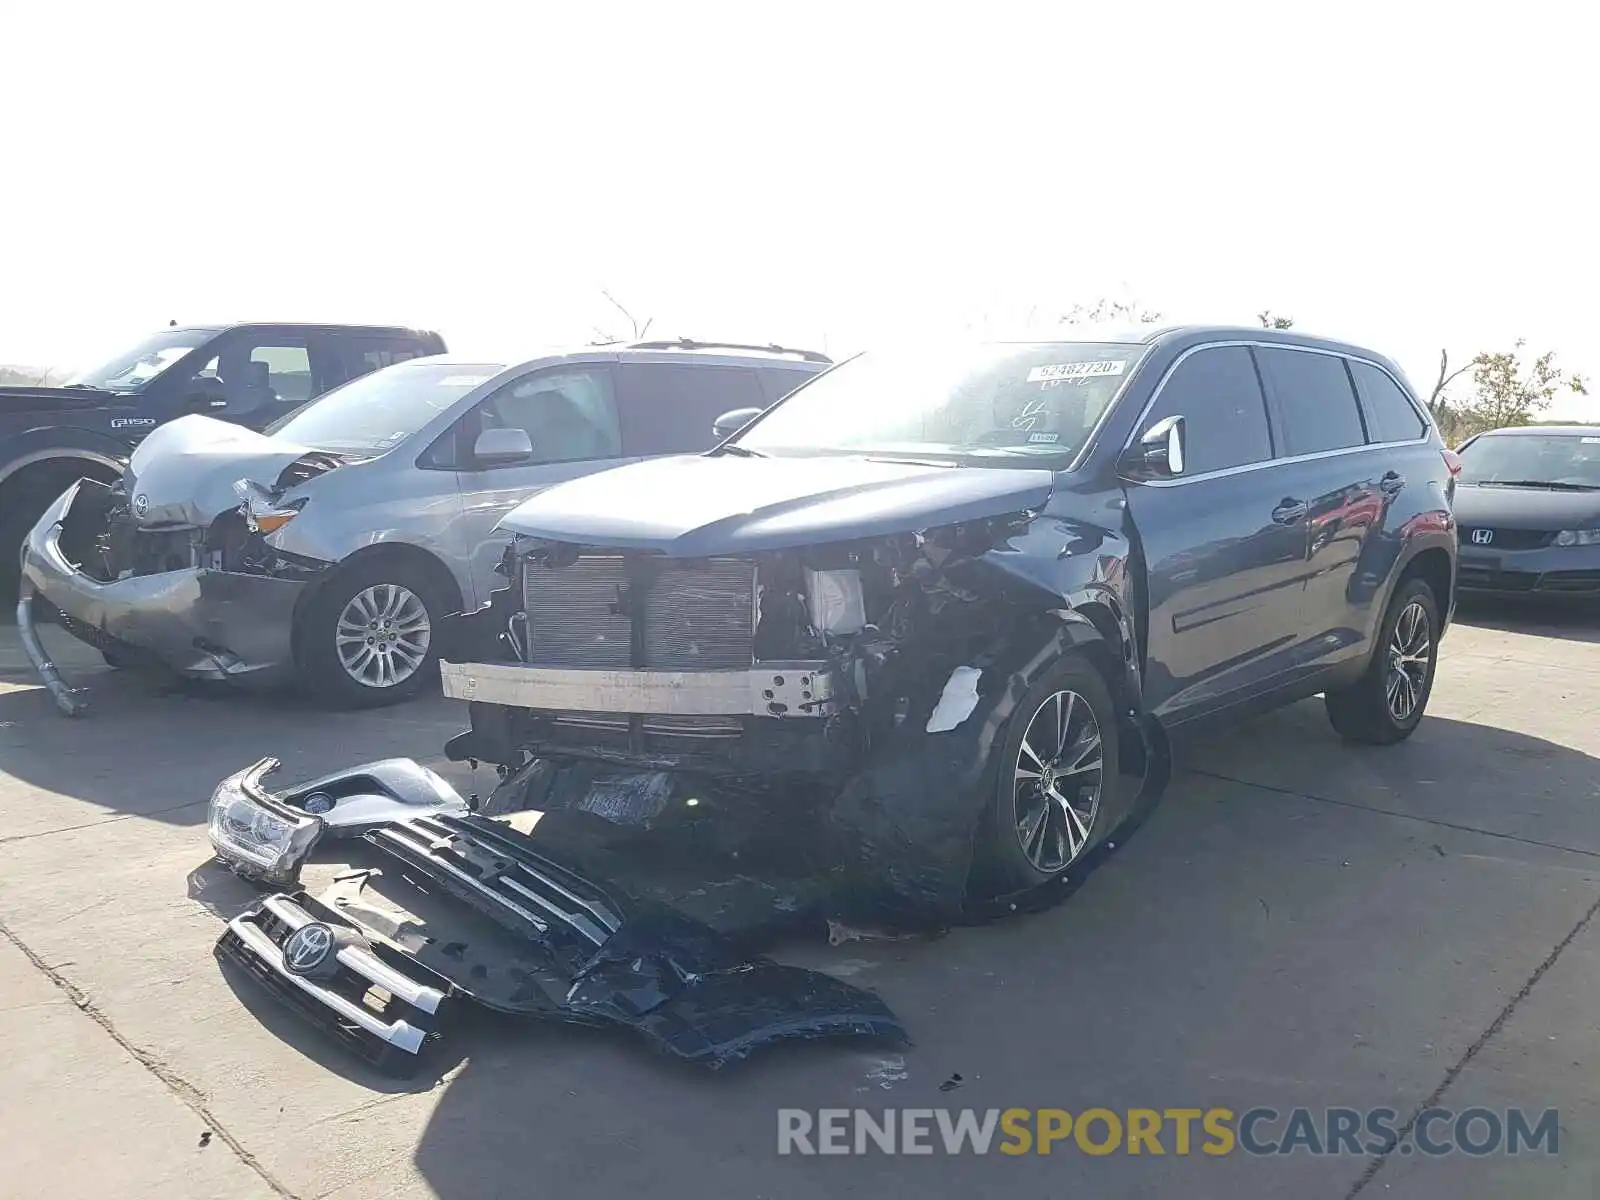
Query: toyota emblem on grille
x,y
1482,537
307,947
141,504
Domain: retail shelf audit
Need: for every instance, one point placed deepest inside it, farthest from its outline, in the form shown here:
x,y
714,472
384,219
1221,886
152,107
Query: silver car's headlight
x,y
256,834
1578,537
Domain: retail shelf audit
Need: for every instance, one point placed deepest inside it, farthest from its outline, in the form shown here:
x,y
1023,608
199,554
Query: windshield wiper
x,y
910,461
738,451
1554,485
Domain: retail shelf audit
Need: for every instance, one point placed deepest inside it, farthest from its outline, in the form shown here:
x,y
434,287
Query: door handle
x,y
1391,483
1289,511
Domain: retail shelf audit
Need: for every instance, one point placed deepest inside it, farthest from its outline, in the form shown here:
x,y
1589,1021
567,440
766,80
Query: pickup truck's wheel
x,y
370,635
1387,702
1058,759
14,529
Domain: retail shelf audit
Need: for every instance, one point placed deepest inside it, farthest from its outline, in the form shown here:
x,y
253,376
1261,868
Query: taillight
x,y
1452,462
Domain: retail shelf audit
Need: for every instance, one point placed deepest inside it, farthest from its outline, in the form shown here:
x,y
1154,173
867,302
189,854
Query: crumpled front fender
x,y
202,622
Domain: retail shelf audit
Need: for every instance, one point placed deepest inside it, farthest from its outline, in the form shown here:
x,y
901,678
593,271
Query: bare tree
x,y
1438,403
605,338
1105,312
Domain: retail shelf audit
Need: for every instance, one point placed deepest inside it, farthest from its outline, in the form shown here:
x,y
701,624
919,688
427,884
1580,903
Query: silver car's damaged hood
x,y
184,472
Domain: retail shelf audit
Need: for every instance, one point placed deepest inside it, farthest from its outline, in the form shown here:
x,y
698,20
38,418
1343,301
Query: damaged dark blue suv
x,y
943,599
907,642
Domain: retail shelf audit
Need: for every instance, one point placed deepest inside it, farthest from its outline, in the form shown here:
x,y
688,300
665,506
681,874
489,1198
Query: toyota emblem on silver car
x,y
1482,537
141,504
307,947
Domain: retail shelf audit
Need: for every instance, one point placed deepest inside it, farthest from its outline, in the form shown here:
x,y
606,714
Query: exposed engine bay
x,y
861,688
788,663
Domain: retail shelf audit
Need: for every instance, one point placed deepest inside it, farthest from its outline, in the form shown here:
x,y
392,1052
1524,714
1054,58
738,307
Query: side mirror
x,y
729,423
502,447
1159,454
206,393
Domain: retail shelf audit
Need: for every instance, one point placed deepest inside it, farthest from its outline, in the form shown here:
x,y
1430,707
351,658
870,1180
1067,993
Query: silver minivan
x,y
328,547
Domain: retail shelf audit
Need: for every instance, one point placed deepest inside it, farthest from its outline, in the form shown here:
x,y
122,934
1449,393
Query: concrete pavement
x,y
1301,922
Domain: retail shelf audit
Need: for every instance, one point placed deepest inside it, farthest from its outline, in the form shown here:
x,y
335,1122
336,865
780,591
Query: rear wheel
x,y
370,635
1058,760
1386,704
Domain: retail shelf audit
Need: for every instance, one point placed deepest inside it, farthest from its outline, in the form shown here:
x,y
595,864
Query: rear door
x,y
360,353
1341,482
570,415
670,407
1224,551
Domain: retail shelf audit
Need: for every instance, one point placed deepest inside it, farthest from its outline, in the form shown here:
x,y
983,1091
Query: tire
x,y
1024,850
387,663
1386,704
14,530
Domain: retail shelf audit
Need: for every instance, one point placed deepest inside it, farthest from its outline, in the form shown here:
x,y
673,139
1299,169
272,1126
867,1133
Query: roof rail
x,y
692,344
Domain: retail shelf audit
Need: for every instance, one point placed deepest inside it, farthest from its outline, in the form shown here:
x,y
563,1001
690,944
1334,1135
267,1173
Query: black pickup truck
x,y
248,374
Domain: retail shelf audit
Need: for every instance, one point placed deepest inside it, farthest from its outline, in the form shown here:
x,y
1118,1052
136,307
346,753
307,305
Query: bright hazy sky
x,y
1404,175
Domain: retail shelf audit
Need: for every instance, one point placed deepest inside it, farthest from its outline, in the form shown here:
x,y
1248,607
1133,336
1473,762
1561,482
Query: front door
x,y
570,416
1224,544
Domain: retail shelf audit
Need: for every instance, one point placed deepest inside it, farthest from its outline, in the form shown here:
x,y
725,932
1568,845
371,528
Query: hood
x,y
184,471
47,399
1526,508
691,507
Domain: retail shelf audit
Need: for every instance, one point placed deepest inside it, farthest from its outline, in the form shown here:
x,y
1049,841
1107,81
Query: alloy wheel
x,y
1056,783
383,635
1410,655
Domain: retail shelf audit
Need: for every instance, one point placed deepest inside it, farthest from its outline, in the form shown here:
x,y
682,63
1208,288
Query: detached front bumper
x,y
1552,572
203,623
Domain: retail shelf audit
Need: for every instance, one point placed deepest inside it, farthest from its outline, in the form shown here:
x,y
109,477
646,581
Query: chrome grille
x,y
696,616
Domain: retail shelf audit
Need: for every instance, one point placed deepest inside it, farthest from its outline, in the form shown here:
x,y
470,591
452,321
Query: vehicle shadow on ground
x,y
1257,904
155,747
1573,622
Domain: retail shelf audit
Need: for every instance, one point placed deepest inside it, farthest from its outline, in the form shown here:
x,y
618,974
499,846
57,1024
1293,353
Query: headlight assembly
x,y
1578,537
254,833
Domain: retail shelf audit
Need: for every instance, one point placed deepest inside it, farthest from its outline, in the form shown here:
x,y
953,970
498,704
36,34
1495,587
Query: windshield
x,y
131,370
991,404
378,411
1556,459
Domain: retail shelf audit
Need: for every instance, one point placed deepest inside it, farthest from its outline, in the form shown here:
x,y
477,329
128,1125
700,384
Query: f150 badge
x,y
132,422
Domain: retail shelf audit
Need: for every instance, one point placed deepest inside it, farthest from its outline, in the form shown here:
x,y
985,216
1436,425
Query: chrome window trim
x,y
1144,413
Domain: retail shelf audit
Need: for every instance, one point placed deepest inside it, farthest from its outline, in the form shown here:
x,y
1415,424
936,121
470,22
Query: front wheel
x,y
370,635
1386,704
1058,760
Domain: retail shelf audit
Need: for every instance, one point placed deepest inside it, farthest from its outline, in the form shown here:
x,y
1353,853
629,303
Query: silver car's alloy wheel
x,y
1056,783
383,635
1410,656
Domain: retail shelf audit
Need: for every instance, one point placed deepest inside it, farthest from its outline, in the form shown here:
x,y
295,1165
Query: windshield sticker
x,y
1031,412
1043,438
1585,441
462,380
1064,372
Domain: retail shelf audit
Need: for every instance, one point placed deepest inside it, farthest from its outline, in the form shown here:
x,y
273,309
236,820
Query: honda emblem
x,y
1482,537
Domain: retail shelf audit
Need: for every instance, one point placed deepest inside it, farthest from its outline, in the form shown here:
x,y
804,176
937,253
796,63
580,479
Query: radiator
x,y
695,615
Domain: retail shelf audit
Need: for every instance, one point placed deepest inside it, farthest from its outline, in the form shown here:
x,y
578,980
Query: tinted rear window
x,y
1314,398
1390,415
669,408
